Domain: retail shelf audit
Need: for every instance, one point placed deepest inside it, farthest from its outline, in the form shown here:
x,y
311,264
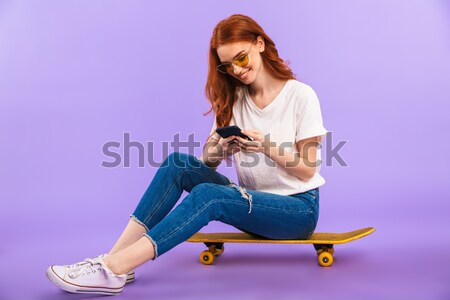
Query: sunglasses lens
x,y
225,68
242,61
229,68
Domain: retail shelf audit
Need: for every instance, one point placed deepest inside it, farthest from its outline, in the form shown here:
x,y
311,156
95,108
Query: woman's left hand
x,y
260,142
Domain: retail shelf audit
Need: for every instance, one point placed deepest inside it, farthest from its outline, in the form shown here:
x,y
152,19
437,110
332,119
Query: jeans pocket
x,y
311,198
314,195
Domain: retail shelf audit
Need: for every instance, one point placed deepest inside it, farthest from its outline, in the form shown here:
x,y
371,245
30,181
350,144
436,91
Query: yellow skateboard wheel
x,y
206,257
325,259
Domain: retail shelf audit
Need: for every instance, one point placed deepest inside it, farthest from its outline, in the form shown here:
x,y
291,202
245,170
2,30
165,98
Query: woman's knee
x,y
181,161
207,197
203,191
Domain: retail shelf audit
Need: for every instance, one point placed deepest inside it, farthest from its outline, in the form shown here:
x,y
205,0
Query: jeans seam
x,y
285,209
170,189
163,198
197,213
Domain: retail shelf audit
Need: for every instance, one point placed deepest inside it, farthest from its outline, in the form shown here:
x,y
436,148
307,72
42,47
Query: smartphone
x,y
232,130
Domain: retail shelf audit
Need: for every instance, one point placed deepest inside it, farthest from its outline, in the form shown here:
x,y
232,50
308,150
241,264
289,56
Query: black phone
x,y
232,130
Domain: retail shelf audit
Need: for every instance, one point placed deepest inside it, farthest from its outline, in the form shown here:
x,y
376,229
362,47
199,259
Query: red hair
x,y
221,88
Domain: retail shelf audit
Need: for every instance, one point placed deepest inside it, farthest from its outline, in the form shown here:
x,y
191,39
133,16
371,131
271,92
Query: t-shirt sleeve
x,y
309,117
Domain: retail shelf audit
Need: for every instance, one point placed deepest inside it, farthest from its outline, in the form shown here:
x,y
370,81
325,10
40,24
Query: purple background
x,y
76,74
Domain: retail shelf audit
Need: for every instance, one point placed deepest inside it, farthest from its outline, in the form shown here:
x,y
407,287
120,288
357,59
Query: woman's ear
x,y
260,43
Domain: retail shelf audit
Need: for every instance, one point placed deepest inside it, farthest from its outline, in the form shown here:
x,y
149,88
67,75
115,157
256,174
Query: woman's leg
x,y
178,172
125,260
265,214
132,232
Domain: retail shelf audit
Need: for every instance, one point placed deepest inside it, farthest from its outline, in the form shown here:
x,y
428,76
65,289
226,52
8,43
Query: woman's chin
x,y
247,78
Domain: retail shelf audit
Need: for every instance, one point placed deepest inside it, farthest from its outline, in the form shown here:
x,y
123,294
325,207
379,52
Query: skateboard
x,y
322,242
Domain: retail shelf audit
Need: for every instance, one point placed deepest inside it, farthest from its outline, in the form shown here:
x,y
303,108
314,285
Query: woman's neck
x,y
265,88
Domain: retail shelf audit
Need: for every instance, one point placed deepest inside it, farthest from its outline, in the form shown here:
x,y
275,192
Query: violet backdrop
x,y
77,74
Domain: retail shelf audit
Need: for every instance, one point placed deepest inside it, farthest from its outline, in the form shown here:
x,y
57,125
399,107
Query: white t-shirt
x,y
292,116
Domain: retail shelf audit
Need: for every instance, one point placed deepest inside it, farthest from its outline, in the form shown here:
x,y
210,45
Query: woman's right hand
x,y
227,146
216,150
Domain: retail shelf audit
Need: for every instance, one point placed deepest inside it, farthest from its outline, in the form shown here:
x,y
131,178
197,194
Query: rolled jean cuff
x,y
155,246
139,221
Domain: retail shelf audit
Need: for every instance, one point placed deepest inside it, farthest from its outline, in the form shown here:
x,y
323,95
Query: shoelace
x,y
88,266
85,267
76,265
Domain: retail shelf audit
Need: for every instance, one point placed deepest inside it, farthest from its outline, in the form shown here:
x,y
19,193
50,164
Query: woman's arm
x,y
302,164
214,151
210,156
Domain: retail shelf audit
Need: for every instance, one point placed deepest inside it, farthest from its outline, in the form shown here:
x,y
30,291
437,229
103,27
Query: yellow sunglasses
x,y
240,61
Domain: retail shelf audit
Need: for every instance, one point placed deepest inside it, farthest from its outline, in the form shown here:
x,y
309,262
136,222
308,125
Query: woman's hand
x,y
229,145
260,143
226,147
215,151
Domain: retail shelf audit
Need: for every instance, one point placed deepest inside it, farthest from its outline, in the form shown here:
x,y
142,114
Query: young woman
x,y
248,85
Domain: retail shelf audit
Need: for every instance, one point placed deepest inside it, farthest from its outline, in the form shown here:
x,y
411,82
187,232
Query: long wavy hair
x,y
221,89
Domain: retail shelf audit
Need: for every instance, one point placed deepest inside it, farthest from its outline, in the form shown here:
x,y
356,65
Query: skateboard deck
x,y
323,243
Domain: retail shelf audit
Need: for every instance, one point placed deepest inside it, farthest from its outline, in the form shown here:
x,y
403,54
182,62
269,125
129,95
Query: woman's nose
x,y
237,70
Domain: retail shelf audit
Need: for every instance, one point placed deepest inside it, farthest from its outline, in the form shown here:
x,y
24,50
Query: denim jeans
x,y
213,197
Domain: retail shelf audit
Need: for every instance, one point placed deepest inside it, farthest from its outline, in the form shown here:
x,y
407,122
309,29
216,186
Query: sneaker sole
x,y
72,288
130,277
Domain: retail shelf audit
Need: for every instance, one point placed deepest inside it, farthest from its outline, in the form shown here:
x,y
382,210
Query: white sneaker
x,y
91,276
130,275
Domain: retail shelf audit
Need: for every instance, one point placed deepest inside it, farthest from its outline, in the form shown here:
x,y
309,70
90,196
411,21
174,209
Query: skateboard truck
x,y
214,249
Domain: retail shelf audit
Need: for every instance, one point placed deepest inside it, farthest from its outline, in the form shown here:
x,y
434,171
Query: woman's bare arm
x,y
302,165
214,151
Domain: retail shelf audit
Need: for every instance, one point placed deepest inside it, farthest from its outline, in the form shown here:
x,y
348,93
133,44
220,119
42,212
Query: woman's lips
x,y
244,75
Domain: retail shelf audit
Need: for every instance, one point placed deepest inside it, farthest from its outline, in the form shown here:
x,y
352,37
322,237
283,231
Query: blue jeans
x,y
213,197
